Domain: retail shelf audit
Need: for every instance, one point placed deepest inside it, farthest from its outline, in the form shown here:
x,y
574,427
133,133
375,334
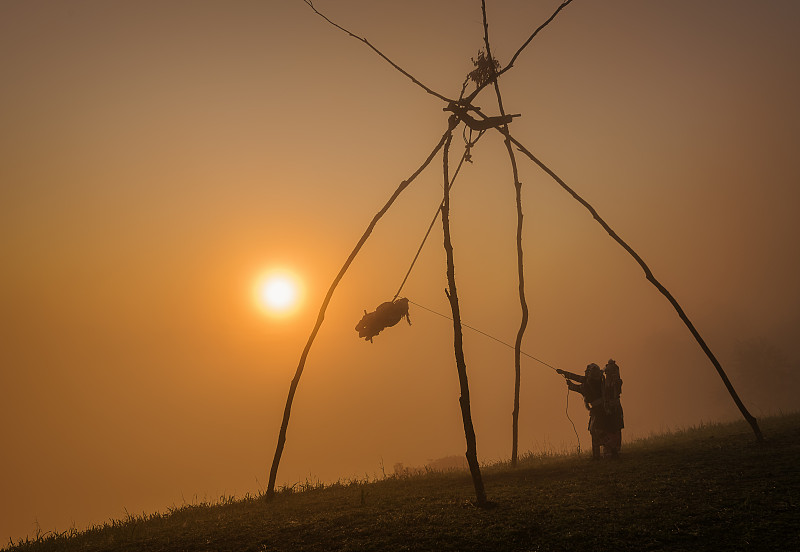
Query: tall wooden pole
x,y
461,365
520,265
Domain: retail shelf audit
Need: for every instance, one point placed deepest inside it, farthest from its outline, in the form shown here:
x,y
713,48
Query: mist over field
x,y
158,157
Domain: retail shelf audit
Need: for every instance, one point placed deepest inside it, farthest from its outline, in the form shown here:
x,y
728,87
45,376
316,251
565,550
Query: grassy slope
x,y
708,488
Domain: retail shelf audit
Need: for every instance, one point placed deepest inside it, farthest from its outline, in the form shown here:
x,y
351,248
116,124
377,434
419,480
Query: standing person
x,y
590,386
612,389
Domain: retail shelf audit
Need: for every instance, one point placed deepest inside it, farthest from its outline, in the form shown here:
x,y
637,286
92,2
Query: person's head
x,y
593,372
612,368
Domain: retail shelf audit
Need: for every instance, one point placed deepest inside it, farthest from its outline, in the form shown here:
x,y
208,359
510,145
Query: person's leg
x,y
615,442
597,444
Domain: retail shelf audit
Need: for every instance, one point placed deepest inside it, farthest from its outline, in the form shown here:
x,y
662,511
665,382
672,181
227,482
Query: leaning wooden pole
x,y
652,279
520,265
273,473
461,365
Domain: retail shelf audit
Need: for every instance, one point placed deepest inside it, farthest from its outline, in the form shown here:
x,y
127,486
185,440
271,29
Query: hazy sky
x,y
156,157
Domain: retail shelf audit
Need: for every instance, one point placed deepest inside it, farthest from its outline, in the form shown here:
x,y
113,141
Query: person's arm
x,y
570,375
575,387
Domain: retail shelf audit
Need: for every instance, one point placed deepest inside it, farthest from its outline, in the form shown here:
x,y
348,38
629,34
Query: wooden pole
x,y
461,365
520,266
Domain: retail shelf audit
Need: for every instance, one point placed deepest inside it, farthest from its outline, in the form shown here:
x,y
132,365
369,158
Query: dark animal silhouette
x,y
387,314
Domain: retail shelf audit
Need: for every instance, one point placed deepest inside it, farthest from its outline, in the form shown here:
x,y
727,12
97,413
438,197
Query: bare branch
x,y
374,49
542,26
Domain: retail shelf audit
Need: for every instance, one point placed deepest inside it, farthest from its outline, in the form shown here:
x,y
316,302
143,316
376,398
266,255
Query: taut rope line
x,y
566,409
485,334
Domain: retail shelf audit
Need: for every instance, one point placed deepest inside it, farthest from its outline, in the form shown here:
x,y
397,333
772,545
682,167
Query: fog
x,y
157,157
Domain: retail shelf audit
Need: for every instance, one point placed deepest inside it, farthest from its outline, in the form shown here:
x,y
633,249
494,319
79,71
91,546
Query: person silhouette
x,y
615,422
590,385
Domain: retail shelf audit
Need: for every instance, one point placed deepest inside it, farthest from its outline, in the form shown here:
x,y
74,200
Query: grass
x,y
711,487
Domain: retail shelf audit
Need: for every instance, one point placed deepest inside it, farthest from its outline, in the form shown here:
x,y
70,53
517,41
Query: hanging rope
x,y
465,157
566,409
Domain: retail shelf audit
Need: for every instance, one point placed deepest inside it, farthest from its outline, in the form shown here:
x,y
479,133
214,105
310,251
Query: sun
x,y
278,293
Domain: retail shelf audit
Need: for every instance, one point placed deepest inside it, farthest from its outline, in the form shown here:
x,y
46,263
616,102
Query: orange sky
x,y
156,157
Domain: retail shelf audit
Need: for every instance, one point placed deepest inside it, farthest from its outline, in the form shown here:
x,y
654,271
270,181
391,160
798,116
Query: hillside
x,y
707,488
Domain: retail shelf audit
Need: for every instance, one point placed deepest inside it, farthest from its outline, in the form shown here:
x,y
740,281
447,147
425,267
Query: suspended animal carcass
x,y
384,316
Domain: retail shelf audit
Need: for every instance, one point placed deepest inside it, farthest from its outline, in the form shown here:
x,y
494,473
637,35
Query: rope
x,y
464,157
566,409
410,268
485,334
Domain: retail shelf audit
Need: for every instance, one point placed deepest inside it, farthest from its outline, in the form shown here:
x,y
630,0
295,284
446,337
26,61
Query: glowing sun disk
x,y
278,293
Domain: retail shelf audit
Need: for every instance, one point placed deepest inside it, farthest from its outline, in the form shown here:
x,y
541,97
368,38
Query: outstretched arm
x,y
572,376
